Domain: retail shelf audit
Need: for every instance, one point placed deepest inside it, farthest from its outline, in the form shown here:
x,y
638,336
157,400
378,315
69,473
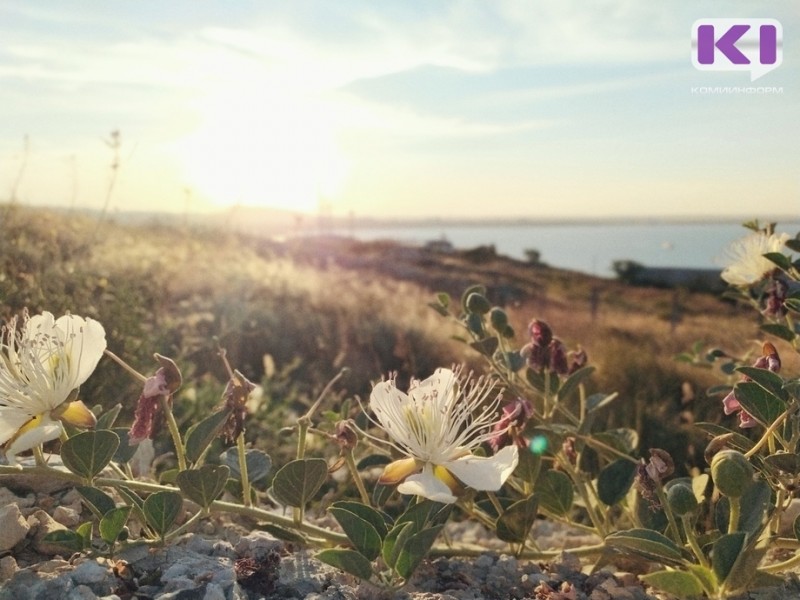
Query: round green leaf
x,y
88,453
680,584
615,480
112,524
516,522
647,543
203,485
258,463
725,553
762,404
414,550
297,482
375,518
200,436
125,451
348,561
97,500
364,536
161,509
555,492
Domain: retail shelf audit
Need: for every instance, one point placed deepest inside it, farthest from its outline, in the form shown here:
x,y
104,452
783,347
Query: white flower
x,y
42,364
748,264
436,426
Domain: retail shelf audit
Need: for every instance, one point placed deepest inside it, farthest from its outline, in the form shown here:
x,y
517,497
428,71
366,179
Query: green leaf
x,y
72,541
438,308
414,550
779,331
88,453
647,543
395,540
161,509
783,461
528,467
706,577
108,418
680,584
726,550
348,561
363,535
779,259
733,439
112,524
85,531
443,298
124,451
615,480
297,482
756,502
771,382
203,485
258,463
375,518
757,401
200,436
425,513
574,380
134,501
597,401
96,500
516,522
623,439
793,304
555,492
486,346
373,460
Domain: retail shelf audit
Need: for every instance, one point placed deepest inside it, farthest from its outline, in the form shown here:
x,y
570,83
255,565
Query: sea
x,y
590,248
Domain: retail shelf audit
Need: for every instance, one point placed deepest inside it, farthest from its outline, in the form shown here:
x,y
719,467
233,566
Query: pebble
x,y
9,497
13,527
68,517
8,566
43,524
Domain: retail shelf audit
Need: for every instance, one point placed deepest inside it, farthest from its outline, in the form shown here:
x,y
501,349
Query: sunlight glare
x,y
271,148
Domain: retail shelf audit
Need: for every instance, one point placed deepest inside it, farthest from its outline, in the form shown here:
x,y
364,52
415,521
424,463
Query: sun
x,y
264,147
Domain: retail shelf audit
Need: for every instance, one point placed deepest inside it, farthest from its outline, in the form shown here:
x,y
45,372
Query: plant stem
x,y
688,528
351,466
173,431
673,524
125,365
769,431
733,517
242,452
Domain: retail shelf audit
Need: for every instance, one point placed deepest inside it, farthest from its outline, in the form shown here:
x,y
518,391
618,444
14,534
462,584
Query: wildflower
x,y
748,263
149,413
510,426
649,476
547,352
770,360
43,362
577,360
236,395
436,426
775,296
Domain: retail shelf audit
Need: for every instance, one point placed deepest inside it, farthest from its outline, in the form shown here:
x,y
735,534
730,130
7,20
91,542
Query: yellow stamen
x,y
398,470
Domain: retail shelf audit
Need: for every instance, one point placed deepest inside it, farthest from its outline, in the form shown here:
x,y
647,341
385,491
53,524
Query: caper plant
x,y
522,441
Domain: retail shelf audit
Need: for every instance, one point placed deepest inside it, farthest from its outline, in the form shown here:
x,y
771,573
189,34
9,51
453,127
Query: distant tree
x,y
627,270
533,256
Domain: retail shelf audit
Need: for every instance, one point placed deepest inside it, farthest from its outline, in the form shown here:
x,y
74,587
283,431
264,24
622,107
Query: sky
x,y
420,108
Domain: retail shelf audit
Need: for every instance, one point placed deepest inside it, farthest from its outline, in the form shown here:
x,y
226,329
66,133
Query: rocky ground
x,y
229,560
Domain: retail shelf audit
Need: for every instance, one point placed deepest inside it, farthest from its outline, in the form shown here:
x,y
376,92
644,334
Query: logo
x,y
754,45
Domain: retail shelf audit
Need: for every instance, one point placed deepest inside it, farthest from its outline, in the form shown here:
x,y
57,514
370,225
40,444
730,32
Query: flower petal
x,y
441,387
45,432
485,473
11,420
398,470
86,347
427,485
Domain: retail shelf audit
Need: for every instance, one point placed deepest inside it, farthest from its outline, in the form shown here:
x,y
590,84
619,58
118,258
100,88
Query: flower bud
x,y
477,303
681,499
731,472
499,319
541,333
346,436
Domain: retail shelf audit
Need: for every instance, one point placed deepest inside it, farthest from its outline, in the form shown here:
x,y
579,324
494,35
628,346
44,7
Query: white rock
x,y
13,527
68,517
8,566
